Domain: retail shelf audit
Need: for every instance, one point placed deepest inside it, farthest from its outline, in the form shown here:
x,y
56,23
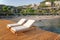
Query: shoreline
x,y
35,17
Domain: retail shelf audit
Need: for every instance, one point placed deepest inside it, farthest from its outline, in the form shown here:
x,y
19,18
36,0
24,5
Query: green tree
x,y
27,11
5,8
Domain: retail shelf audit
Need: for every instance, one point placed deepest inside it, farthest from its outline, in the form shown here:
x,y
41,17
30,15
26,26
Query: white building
x,y
48,3
36,4
57,3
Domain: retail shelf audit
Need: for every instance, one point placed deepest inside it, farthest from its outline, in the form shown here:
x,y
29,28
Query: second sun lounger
x,y
27,25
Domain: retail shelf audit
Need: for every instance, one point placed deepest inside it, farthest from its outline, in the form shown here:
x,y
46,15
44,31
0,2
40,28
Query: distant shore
x,y
36,17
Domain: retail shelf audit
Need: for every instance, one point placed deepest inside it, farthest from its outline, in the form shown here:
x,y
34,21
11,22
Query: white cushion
x,y
21,21
29,23
18,28
10,25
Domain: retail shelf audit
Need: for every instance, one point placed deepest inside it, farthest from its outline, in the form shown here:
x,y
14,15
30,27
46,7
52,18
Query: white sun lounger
x,y
16,24
25,26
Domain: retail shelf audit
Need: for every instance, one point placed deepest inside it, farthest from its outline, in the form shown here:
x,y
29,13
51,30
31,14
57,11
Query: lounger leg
x,y
8,27
14,32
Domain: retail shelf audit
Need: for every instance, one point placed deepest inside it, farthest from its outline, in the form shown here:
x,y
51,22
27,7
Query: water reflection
x,y
52,25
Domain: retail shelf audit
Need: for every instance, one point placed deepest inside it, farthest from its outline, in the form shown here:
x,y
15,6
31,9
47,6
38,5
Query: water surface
x,y
52,25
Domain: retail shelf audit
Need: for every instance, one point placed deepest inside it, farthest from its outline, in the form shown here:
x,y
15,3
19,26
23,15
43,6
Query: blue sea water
x,y
52,25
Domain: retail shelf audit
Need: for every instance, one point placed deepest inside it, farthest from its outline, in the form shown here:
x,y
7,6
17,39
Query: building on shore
x,y
48,3
57,3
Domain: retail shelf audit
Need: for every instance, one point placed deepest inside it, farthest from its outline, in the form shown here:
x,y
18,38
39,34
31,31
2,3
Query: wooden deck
x,y
33,34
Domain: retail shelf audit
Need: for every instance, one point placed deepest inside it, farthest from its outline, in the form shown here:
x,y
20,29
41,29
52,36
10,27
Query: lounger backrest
x,y
29,23
21,21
